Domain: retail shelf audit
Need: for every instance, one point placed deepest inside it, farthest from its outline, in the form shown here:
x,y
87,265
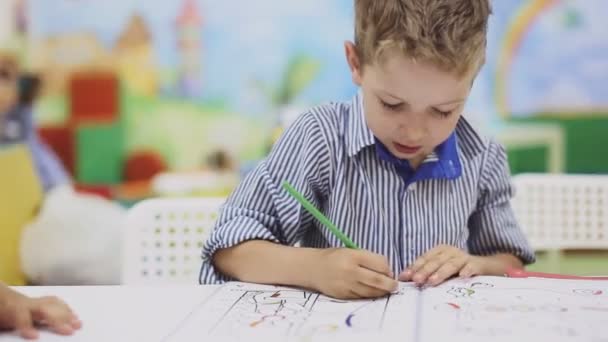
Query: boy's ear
x,y
353,62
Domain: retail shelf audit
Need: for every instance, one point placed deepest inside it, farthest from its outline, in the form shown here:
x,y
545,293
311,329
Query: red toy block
x,y
61,140
94,98
104,191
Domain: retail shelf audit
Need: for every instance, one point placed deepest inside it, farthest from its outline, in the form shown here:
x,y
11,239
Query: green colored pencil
x,y
319,216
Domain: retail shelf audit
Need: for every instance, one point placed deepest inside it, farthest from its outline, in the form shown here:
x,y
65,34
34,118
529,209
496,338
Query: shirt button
x,y
412,187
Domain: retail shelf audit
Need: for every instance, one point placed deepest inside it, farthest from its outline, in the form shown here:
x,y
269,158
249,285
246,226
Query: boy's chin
x,y
413,158
406,156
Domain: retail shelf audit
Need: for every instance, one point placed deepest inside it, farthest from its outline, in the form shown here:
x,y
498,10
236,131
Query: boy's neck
x,y
415,162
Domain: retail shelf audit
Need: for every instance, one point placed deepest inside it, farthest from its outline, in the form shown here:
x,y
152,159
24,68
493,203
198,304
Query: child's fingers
x,y
468,271
426,257
377,280
432,266
429,268
75,322
62,328
60,322
437,250
440,253
446,270
374,262
418,264
365,291
406,275
25,325
55,314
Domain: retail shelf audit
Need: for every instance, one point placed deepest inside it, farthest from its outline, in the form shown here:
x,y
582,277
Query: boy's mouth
x,y
406,149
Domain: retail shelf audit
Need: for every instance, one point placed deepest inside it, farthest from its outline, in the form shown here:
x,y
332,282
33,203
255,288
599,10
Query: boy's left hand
x,y
440,263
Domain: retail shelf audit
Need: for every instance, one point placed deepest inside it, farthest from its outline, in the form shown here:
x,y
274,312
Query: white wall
x,y
6,20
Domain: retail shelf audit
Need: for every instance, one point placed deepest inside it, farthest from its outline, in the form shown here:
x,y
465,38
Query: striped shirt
x,y
459,195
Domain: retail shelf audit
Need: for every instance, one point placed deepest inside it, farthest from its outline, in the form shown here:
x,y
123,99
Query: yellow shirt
x,y
20,197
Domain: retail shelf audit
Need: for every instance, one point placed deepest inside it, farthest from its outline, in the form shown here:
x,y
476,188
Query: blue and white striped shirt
x,y
459,196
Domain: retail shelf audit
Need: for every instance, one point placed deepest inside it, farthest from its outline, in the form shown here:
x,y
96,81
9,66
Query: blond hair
x,y
450,34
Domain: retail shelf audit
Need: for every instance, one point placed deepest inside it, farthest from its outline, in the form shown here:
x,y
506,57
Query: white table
x,y
122,313
151,314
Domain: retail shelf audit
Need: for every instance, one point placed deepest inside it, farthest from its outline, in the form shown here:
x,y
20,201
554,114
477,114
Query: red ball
x,y
143,166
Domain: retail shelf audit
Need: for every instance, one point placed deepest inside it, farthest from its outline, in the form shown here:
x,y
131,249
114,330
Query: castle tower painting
x,y
21,18
189,24
134,57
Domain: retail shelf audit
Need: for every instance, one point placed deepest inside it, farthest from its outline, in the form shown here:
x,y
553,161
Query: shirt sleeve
x,y
51,171
260,209
493,227
20,124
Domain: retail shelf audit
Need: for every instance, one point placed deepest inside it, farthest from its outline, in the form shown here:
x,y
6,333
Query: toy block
x,y
61,140
100,151
94,98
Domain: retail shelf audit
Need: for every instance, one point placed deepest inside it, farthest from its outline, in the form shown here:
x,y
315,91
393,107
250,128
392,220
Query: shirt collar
x,y
443,162
358,134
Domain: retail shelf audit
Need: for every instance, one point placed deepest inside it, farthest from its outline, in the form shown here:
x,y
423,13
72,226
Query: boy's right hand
x,y
352,274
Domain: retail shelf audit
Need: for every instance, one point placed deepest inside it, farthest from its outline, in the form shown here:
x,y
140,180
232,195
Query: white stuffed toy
x,y
75,240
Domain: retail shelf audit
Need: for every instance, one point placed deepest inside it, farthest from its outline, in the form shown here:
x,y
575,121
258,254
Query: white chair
x,y
559,211
164,238
192,184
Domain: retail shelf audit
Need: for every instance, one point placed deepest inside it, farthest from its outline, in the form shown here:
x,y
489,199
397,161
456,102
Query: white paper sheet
x,y
480,309
505,309
248,312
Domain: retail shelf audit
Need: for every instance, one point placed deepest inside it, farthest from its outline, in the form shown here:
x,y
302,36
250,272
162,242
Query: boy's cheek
x,y
8,99
9,90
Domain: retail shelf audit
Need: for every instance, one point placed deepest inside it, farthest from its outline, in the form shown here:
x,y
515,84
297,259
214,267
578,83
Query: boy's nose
x,y
413,133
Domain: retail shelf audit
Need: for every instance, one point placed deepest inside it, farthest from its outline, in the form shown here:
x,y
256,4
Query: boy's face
x,y
410,107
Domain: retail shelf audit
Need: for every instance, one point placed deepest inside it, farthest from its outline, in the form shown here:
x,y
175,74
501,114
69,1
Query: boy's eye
x,y
5,75
442,113
391,106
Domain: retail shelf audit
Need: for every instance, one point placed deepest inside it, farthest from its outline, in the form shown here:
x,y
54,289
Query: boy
x,y
20,312
397,169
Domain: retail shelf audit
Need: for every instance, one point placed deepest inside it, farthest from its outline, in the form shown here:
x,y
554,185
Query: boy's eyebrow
x,y
440,104
451,102
393,96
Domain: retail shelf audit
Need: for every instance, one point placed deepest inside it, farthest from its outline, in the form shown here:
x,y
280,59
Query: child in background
x,y
17,94
398,169
18,311
8,84
22,313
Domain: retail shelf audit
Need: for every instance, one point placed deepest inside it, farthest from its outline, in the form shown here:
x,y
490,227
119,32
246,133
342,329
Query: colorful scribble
x,y
588,292
461,292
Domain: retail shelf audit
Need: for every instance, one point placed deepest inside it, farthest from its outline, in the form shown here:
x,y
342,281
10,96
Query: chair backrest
x,y
164,238
559,211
